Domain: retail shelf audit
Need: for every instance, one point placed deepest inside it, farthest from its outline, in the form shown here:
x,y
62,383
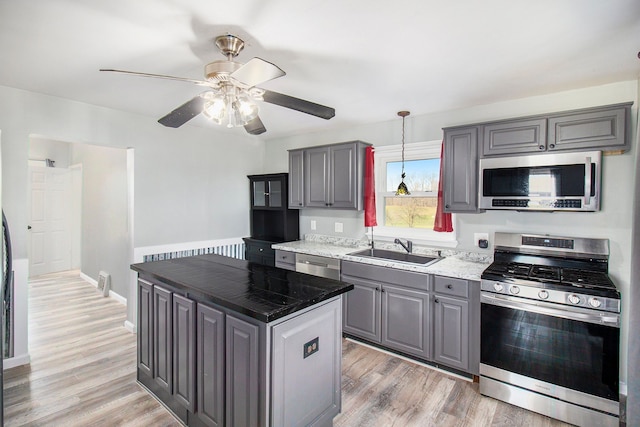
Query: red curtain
x,y
369,189
442,221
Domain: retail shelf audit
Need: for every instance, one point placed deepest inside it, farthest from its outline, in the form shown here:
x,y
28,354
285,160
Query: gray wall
x,y
614,221
105,234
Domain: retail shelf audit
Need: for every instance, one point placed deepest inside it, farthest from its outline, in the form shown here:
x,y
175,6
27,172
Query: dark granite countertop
x,y
262,292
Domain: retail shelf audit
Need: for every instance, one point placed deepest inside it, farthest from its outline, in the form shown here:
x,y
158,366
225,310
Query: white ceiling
x,y
366,58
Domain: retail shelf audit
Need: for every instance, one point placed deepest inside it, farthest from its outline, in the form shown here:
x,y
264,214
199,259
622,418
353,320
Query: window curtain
x,y
442,221
369,189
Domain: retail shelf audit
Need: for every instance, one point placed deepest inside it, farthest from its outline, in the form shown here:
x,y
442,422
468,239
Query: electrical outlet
x,y
338,227
477,237
313,224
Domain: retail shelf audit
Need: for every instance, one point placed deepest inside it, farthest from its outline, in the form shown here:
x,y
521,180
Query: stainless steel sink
x,y
423,260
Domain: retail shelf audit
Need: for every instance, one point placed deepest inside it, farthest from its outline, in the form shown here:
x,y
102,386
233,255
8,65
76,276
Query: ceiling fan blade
x,y
158,76
257,71
255,126
183,113
299,104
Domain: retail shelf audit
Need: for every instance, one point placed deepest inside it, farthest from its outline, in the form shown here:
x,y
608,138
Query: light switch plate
x,y
339,227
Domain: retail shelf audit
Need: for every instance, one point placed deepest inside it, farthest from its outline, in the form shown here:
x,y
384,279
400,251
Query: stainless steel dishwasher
x,y
318,266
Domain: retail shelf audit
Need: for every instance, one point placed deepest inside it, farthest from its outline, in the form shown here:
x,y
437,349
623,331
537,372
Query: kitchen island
x,y
223,341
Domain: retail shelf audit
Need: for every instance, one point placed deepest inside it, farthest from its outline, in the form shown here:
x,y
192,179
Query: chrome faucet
x,y
408,247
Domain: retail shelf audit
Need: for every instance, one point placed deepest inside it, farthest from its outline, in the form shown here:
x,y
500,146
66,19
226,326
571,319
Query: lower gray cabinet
x,y
210,359
362,309
242,373
451,332
184,351
381,310
145,327
405,320
163,339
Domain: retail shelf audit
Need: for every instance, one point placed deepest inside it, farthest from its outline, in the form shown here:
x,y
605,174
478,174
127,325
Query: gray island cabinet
x,y
225,342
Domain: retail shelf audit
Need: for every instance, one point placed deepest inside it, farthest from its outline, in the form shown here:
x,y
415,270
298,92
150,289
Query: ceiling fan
x,y
232,92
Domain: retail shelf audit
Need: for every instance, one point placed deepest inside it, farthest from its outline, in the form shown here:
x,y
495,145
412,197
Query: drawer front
x,y
286,260
284,257
451,286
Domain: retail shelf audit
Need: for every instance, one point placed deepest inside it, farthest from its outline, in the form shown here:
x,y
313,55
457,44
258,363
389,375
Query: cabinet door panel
x,y
515,137
210,366
242,379
296,179
259,193
145,327
461,170
275,192
451,329
599,130
405,320
162,338
184,351
343,174
362,309
316,177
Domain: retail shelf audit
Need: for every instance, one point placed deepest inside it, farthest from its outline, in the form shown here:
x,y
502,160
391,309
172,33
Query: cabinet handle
x,y
377,289
541,147
261,249
436,301
299,204
552,145
449,286
382,290
446,206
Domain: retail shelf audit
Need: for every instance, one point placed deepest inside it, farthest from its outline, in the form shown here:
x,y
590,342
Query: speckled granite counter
x,y
463,265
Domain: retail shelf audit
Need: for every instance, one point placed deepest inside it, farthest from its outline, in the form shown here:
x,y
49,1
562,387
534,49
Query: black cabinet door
x,y
162,338
210,366
184,351
145,327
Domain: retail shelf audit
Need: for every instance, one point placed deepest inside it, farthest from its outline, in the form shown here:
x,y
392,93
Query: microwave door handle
x,y
587,181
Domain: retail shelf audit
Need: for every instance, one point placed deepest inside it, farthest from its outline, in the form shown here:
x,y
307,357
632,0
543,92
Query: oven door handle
x,y
567,312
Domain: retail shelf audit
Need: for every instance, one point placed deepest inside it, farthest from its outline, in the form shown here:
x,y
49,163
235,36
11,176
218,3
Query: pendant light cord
x,y
403,146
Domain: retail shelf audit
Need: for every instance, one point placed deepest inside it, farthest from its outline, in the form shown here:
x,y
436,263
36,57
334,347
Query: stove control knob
x,y
574,299
514,290
543,294
498,287
595,302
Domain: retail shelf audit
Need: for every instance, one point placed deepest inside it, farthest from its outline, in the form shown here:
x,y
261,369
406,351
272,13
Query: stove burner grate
x,y
544,272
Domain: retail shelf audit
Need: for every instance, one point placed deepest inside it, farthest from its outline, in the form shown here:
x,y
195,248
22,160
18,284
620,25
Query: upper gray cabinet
x,y
296,179
601,128
328,176
461,169
514,136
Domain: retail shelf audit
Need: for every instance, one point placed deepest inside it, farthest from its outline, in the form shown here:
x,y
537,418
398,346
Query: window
x,y
410,216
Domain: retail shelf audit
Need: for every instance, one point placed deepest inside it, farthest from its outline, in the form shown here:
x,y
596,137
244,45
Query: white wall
x,y
190,183
105,235
614,221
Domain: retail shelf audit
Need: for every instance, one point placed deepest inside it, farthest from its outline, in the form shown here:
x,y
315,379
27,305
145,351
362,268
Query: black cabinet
x,y
271,220
184,351
163,339
145,327
210,365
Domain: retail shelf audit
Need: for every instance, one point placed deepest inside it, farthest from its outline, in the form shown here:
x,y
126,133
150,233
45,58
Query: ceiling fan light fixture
x,y
230,106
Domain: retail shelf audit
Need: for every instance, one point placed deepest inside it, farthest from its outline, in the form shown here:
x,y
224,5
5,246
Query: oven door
x,y
551,350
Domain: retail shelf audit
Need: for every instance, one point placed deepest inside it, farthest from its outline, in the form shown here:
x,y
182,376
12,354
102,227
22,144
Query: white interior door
x,y
50,218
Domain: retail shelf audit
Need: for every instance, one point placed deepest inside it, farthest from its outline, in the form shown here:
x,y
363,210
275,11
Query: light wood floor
x,y
83,362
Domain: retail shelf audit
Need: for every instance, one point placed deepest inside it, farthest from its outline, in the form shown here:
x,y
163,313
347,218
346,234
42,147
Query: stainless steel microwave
x,y
543,182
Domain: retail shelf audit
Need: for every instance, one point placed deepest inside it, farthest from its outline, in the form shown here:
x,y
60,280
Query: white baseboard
x,y
129,326
112,295
12,362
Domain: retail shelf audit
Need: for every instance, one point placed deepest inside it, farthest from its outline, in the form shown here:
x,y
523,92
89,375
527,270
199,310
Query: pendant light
x,y
402,188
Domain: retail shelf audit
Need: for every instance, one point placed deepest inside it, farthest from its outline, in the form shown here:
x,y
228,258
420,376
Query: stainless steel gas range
x,y
550,328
